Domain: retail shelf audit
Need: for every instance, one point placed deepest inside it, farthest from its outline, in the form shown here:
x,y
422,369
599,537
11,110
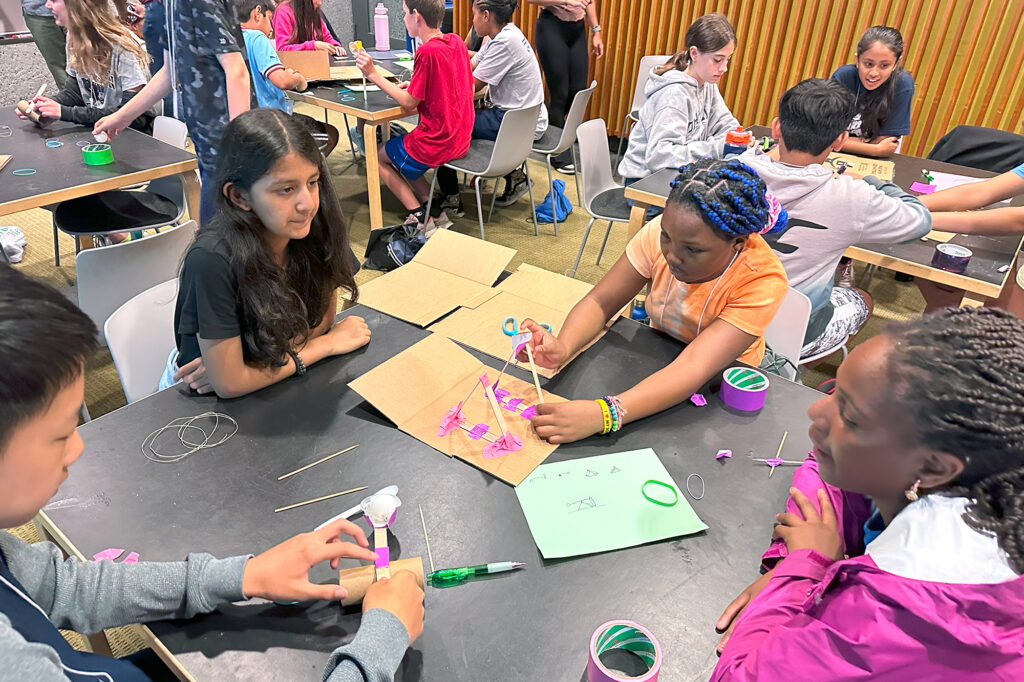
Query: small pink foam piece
x,y
922,188
698,400
510,442
774,461
500,393
478,431
108,554
512,404
529,413
383,557
723,453
451,420
132,558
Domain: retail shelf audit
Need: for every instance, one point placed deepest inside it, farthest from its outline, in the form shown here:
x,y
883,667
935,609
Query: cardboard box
x,y
417,387
450,270
529,292
315,65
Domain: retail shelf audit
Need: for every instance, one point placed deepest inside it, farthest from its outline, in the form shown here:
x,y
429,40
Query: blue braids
x,y
728,195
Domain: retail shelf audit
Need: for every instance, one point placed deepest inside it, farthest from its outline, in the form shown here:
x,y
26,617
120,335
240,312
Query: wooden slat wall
x,y
966,56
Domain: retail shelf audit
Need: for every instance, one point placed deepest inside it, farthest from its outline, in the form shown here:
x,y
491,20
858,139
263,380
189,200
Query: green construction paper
x,y
596,504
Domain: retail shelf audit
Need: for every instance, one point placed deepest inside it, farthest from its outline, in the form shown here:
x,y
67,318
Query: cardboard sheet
x,y
939,236
862,165
417,387
352,73
4,160
597,504
315,65
450,270
529,292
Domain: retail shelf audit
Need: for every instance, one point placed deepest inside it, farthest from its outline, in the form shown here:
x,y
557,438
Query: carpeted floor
x,y
510,226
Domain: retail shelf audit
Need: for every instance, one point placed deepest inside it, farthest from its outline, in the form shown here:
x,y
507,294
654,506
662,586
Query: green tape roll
x,y
97,154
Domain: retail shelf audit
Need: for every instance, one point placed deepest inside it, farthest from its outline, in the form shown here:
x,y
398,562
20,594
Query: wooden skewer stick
x,y
782,463
533,369
426,539
496,409
319,461
778,452
319,499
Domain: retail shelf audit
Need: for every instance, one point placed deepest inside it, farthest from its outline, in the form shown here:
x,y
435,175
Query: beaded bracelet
x,y
606,414
614,400
615,416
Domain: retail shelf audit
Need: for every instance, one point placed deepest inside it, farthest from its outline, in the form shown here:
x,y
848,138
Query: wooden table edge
x,y
62,541
56,196
375,116
952,279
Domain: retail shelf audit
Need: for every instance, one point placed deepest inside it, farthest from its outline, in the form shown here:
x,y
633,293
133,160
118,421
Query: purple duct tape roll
x,y
478,431
951,258
744,389
632,639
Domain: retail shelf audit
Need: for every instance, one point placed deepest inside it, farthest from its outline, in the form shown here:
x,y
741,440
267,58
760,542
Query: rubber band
x,y
6,131
184,425
83,143
675,493
346,98
24,171
54,143
699,478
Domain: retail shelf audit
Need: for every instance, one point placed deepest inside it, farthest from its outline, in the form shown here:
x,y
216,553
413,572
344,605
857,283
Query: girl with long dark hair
x,y
884,93
258,289
300,25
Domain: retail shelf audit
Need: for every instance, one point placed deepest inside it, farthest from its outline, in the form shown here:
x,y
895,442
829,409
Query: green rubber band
x,y
675,493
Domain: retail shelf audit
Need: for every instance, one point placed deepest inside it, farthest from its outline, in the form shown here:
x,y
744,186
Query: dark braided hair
x,y
875,105
501,10
971,406
728,195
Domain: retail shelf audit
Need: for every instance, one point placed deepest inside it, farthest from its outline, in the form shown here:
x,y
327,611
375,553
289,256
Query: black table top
x,y
990,253
62,168
333,92
534,624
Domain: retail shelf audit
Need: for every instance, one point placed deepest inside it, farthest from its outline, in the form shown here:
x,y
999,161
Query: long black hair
x,y
307,21
961,375
875,105
280,305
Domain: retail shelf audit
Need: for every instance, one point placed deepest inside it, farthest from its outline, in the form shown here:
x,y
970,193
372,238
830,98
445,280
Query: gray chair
x,y
556,140
639,96
603,199
487,159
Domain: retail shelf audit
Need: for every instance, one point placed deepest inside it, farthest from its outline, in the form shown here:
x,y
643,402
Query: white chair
x,y
785,333
140,335
161,203
639,96
556,140
111,275
603,199
487,159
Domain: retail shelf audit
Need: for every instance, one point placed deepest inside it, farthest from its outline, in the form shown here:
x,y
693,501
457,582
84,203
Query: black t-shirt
x,y
208,301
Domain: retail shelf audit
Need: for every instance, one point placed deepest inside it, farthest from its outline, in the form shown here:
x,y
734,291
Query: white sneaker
x,y
844,275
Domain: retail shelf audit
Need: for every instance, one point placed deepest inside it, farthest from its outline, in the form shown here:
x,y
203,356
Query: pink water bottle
x,y
380,28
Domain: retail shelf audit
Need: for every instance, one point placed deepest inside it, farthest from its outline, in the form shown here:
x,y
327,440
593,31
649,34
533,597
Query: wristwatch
x,y
596,28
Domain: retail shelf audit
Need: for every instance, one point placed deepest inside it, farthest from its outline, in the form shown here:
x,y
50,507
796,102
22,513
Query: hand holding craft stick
x,y
548,350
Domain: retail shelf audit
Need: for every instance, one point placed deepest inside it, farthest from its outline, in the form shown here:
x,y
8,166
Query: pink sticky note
x,y
529,413
698,400
450,421
922,188
510,442
723,453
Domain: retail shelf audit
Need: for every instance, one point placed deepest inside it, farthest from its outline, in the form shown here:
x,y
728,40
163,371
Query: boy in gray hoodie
x,y
828,214
44,344
684,117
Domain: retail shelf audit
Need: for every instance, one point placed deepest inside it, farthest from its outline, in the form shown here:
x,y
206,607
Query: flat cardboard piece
x,y
597,504
529,292
417,387
352,73
315,65
862,165
4,160
448,271
939,236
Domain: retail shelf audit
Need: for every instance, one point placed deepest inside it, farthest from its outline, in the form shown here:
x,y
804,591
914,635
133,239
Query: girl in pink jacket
x,y
917,476
300,25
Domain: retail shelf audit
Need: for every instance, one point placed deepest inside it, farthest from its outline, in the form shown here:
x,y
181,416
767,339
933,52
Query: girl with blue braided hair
x,y
714,284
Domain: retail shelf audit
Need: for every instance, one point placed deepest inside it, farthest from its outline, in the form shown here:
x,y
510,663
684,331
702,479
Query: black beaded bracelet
x,y
300,366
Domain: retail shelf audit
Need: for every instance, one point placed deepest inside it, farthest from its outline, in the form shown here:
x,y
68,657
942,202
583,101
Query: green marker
x,y
447,577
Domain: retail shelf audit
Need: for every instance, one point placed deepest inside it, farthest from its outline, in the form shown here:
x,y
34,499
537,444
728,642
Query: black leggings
x,y
562,51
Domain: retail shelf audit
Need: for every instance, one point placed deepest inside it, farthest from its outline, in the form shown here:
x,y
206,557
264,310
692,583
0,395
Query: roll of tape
x,y
952,258
97,154
628,638
744,388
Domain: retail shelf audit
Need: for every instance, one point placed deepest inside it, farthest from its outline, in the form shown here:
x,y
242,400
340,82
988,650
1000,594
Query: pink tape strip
x,y
723,453
383,557
529,413
512,404
500,393
510,442
774,461
132,558
451,421
698,400
922,188
108,554
478,431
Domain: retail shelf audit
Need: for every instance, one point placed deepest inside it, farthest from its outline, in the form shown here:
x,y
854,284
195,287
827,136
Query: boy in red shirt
x,y
441,91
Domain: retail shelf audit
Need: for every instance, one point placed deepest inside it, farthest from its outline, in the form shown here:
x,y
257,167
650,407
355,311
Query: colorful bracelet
x,y
606,414
615,416
614,400
617,410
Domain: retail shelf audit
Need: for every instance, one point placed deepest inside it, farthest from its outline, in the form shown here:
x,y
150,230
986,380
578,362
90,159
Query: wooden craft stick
x,y
533,369
779,451
319,461
380,539
319,499
496,409
487,437
426,539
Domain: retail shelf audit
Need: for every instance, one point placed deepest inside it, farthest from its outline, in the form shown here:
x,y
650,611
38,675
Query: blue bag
x,y
562,204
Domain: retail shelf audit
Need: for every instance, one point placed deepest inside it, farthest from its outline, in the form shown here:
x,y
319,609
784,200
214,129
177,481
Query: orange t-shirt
x,y
747,296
